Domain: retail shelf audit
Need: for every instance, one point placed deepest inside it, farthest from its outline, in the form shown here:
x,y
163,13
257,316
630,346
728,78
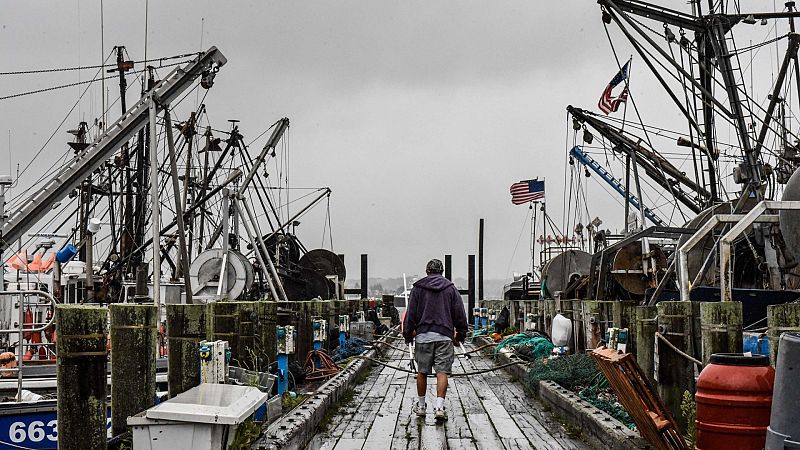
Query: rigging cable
x,y
514,253
641,122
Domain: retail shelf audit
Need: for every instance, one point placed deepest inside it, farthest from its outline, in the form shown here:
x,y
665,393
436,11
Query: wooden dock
x,y
486,411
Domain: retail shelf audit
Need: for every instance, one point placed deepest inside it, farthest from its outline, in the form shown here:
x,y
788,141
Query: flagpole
x,y
533,236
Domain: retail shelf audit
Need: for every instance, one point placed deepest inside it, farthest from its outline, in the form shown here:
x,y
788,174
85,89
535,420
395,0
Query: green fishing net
x,y
579,374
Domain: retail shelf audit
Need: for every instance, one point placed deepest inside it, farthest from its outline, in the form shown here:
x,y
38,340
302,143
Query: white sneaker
x,y
418,409
440,414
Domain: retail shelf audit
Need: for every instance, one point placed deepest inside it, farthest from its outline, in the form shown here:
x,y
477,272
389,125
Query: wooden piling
x,y
780,319
645,334
267,320
247,347
186,327
623,315
133,371
678,322
721,328
597,316
305,336
233,322
470,286
81,349
364,276
548,312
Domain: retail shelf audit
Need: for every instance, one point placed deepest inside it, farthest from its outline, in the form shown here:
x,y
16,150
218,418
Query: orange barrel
x,y
734,398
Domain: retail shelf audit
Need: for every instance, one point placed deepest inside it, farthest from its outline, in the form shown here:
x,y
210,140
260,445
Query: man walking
x,y
435,314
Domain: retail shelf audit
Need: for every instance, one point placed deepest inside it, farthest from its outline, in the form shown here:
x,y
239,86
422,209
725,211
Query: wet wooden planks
x,y
486,411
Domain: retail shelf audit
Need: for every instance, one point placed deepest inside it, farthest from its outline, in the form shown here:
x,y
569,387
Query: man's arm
x,y
410,323
459,316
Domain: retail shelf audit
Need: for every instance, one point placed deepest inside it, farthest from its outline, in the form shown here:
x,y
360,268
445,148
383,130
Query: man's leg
x,y
441,385
423,354
422,384
444,363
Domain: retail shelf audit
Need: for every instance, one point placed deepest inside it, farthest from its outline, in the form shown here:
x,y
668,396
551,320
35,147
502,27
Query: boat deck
x,y
486,411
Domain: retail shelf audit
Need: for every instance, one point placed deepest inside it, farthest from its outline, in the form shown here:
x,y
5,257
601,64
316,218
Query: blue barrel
x,y
755,343
66,253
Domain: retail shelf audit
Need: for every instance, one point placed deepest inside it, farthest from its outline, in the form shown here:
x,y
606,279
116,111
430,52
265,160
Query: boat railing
x,y
22,328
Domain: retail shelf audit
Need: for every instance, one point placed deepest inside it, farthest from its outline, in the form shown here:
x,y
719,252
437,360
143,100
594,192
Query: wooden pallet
x,y
652,418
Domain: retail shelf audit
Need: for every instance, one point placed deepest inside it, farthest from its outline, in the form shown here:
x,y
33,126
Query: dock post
x,y
721,325
186,327
81,349
780,319
133,370
596,315
303,332
364,276
470,283
480,261
448,267
645,335
248,349
548,311
676,374
624,316
267,313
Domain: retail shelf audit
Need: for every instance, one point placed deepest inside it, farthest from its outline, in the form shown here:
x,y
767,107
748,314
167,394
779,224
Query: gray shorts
x,y
439,355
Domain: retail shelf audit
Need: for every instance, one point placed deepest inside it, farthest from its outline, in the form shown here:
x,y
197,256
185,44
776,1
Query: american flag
x,y
527,191
608,103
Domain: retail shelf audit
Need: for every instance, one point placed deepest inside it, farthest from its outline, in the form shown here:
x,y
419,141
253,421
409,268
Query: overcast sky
x,y
418,114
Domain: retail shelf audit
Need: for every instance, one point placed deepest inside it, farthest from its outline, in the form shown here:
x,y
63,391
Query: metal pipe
x,y
183,253
156,213
253,236
263,246
89,247
222,287
725,263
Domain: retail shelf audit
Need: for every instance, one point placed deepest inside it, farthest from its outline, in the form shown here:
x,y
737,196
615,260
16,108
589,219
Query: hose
x,y
461,374
327,368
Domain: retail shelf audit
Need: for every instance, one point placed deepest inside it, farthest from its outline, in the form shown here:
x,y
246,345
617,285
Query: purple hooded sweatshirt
x,y
435,305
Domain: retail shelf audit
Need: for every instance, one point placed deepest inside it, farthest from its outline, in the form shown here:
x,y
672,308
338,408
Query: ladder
x,y
582,157
38,204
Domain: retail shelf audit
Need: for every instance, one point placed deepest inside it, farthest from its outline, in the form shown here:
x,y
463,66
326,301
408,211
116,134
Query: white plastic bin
x,y
204,417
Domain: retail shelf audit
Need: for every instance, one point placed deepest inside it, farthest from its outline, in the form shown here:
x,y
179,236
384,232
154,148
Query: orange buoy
x,y
27,320
49,332
734,398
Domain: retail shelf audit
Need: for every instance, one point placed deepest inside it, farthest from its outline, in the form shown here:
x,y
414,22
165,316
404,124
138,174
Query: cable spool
x,y
307,284
326,263
790,219
205,269
564,268
627,269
